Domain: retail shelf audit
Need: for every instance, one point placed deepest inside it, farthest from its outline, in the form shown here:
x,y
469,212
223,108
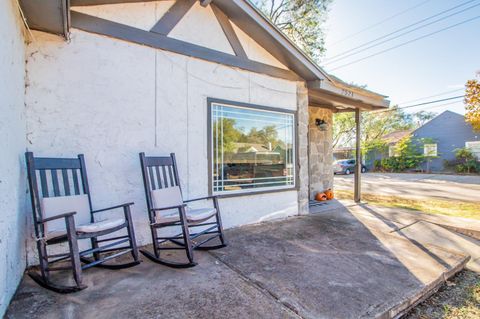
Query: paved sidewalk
x,y
416,186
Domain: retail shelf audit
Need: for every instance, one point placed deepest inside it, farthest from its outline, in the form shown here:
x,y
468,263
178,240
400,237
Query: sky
x,y
436,64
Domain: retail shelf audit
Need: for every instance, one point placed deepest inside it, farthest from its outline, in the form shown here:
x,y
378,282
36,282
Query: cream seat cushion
x,y
194,215
52,206
172,196
101,225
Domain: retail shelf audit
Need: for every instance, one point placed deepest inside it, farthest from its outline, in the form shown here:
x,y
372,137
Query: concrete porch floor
x,y
341,263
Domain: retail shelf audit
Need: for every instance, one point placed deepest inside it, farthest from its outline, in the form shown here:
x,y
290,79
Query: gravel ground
x,y
458,299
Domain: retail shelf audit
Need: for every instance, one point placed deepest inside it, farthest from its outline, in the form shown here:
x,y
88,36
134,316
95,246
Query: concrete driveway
x,y
418,186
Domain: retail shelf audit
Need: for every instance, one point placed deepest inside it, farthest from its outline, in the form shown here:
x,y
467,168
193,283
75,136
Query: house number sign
x,y
347,93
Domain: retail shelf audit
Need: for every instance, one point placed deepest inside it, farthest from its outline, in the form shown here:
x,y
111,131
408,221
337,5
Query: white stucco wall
x,y
111,99
12,132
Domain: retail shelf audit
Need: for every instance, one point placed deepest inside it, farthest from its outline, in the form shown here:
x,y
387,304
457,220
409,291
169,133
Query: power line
x,y
420,104
379,23
430,96
405,43
355,50
431,102
435,106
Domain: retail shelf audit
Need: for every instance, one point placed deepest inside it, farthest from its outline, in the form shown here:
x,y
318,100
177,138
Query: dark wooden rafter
x,y
170,19
205,3
127,33
102,2
229,32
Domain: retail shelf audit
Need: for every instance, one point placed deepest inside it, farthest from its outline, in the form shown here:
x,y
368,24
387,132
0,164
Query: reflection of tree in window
x,y
251,148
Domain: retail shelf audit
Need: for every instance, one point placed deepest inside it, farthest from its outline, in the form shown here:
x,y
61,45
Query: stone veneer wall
x,y
320,151
302,140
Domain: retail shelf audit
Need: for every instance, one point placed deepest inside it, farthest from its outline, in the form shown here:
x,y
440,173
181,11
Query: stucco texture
x,y
111,99
12,131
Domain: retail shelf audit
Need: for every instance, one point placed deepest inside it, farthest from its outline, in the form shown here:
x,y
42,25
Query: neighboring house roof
x,y
250,147
324,90
395,137
445,115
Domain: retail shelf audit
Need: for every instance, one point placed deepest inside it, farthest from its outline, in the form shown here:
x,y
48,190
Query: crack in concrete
x,y
261,288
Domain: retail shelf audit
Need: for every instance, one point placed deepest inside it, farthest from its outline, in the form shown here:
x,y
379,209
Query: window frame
x,y
430,144
252,191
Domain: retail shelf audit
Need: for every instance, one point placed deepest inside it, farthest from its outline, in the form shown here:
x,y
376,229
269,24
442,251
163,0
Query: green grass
x,y
431,206
459,299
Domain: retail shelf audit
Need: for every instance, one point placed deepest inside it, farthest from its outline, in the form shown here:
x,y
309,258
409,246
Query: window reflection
x,y
252,148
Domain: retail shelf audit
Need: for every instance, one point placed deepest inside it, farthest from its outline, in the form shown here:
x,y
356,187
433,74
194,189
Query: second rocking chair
x,y
166,208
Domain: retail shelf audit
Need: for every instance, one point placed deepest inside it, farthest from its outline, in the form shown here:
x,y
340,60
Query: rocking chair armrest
x,y
113,207
200,198
44,220
166,208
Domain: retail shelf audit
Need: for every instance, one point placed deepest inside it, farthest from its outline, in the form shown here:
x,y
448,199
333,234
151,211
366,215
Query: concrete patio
x,y
345,262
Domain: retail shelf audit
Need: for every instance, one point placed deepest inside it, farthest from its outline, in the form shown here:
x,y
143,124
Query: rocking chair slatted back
x,y
158,173
58,177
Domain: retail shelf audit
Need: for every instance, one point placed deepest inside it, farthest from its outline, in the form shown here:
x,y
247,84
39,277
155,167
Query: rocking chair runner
x,y
166,208
62,212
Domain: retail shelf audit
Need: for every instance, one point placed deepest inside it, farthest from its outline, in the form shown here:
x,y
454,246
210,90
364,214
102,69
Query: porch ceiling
x,y
341,97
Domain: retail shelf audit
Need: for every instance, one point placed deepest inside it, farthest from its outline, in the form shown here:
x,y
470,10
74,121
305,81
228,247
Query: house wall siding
x,y
111,99
320,151
450,131
12,131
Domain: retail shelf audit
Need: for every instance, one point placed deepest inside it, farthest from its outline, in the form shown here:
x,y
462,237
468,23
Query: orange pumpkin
x,y
329,194
320,197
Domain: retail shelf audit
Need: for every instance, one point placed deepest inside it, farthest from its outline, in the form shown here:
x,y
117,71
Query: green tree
x,y
467,161
230,134
301,20
422,117
265,136
472,102
407,156
374,126
343,129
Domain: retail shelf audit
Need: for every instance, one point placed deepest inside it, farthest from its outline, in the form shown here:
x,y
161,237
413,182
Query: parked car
x,y
346,166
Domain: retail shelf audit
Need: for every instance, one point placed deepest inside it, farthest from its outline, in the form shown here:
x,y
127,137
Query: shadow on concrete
x,y
335,264
394,227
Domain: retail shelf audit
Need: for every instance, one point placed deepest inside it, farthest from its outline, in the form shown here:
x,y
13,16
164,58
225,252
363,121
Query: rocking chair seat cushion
x,y
89,228
100,226
194,215
53,206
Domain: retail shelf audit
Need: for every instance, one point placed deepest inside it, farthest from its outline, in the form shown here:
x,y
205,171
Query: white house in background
x,y
112,78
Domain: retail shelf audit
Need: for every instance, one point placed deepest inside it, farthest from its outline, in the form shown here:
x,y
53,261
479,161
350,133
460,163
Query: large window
x,y
252,148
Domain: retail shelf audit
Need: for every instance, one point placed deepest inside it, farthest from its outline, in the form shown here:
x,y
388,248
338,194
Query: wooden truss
x,y
158,37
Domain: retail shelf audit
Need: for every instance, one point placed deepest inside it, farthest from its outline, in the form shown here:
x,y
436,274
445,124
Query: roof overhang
x,y
52,16
340,97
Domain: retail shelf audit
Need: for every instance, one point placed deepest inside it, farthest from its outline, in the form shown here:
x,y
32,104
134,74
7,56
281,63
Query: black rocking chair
x,y
166,208
62,212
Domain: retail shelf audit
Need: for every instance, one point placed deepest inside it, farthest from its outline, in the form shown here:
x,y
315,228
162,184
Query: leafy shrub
x,y
407,157
465,161
377,165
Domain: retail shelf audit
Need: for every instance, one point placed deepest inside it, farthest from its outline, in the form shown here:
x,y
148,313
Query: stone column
x,y
320,151
302,147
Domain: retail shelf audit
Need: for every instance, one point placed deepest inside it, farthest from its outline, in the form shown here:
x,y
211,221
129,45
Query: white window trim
x,y
435,145
252,191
